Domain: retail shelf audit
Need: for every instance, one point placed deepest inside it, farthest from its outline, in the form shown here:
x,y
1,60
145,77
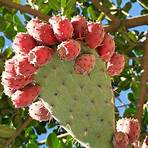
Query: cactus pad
x,y
83,104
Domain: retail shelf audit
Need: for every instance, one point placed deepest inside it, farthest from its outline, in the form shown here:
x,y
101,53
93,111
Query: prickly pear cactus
x,y
83,104
75,83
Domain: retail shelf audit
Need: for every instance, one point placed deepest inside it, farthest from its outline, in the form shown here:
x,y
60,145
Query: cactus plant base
x,y
83,104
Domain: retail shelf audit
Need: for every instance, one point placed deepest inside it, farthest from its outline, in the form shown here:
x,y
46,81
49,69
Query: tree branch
x,y
105,11
144,79
17,133
136,21
129,23
25,9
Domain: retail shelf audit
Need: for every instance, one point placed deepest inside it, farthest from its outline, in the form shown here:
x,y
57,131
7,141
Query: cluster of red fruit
x,y
35,49
69,35
128,132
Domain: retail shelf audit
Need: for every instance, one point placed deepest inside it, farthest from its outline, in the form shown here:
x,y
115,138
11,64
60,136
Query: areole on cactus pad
x,y
72,78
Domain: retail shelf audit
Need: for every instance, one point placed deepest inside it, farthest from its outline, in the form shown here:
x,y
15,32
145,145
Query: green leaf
x,y
127,7
131,97
55,5
107,3
6,131
3,23
40,129
1,141
53,141
17,121
8,17
144,3
91,12
69,142
130,111
27,17
119,2
8,53
2,42
16,1
18,24
144,11
45,8
63,4
124,85
101,17
38,2
133,1
9,31
132,36
139,52
32,144
70,8
135,87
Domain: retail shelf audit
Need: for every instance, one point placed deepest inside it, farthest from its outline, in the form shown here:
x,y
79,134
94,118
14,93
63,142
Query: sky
x,y
135,11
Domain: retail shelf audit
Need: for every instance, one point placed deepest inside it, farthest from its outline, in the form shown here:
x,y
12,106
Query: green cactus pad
x,y
83,104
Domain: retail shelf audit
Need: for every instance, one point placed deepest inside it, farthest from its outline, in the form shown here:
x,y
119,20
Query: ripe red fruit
x,y
24,67
39,112
32,24
15,82
25,96
9,66
62,27
8,91
120,140
95,34
40,55
80,26
69,50
129,126
41,31
106,50
116,64
84,64
23,43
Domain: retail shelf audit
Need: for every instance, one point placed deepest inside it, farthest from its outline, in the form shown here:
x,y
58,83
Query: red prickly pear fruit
x,y
62,28
15,83
80,26
32,24
9,66
116,64
40,55
39,112
145,143
95,34
41,31
120,140
23,43
24,67
107,49
129,126
8,91
69,50
25,96
84,64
